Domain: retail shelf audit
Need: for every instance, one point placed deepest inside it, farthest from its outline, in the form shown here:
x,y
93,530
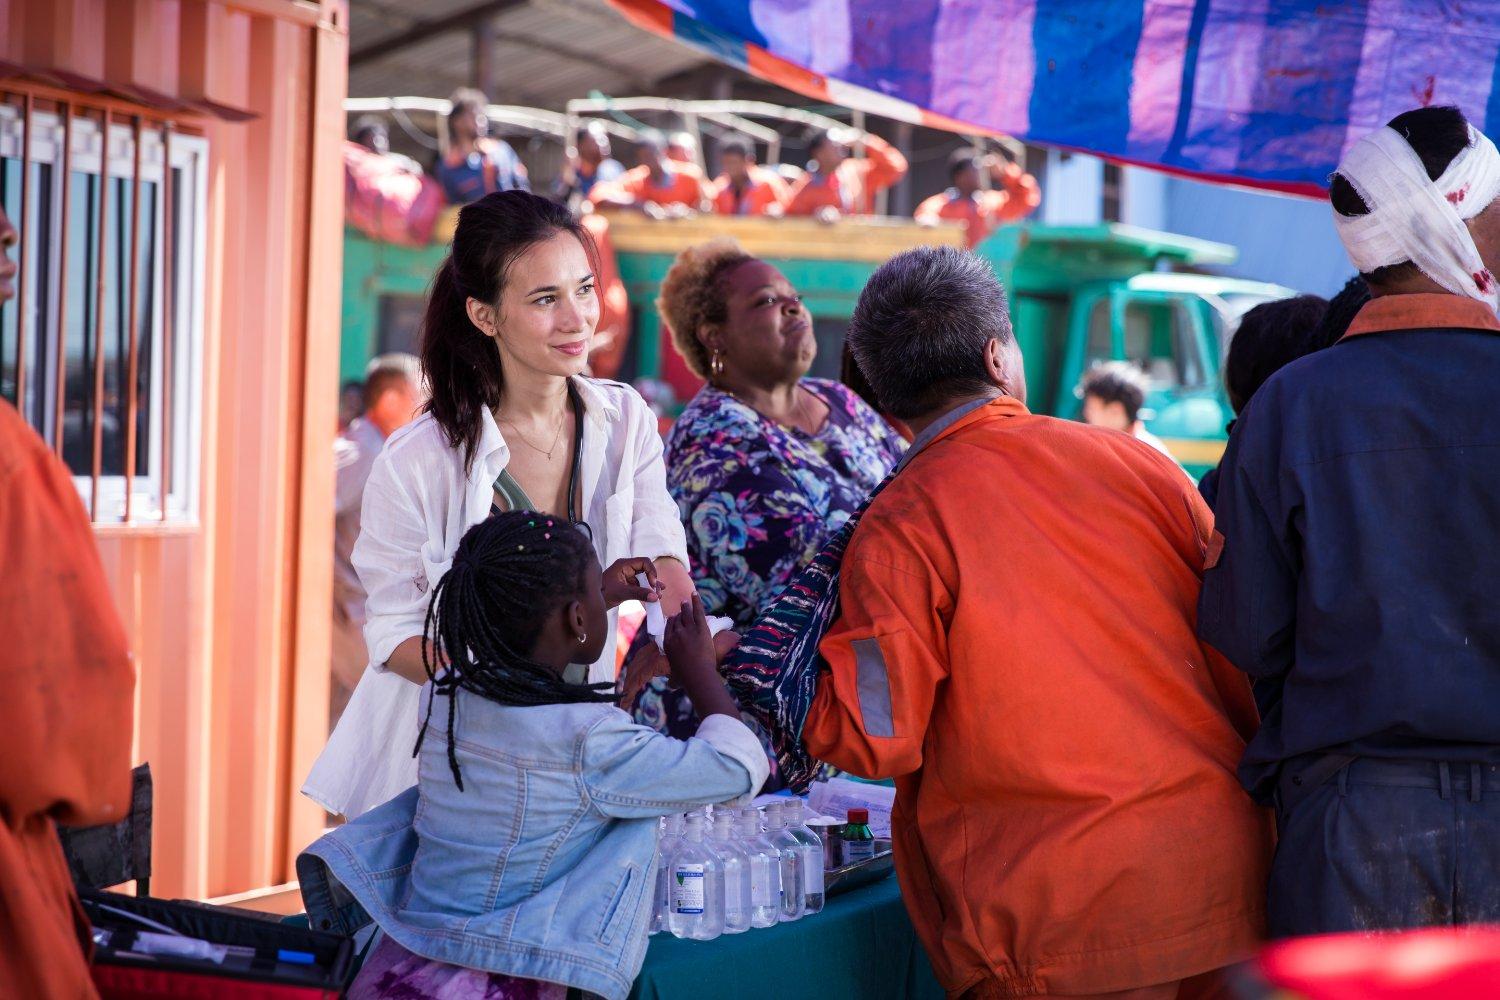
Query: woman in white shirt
x,y
512,423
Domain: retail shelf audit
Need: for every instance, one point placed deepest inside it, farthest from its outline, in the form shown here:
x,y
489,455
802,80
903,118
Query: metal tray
x,y
847,877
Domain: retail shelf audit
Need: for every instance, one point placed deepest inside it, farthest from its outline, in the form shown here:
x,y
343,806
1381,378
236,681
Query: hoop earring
x,y
583,637
716,364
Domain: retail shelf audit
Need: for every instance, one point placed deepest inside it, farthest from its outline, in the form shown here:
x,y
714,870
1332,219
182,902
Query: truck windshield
x,y
1160,337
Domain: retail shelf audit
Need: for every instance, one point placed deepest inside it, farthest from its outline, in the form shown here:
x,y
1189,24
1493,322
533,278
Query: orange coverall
x,y
986,210
766,189
66,712
1016,647
853,186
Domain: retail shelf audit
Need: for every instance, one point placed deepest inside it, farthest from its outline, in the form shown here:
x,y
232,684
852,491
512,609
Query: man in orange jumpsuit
x,y
840,185
1014,196
66,711
1016,648
745,188
682,150
659,186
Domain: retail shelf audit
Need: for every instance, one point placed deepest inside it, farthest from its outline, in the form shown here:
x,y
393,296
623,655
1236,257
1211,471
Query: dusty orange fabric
x,y
986,210
688,165
853,186
766,189
66,713
1067,814
1422,311
635,187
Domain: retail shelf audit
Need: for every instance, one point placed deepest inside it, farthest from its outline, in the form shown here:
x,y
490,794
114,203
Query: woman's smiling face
x,y
548,309
767,336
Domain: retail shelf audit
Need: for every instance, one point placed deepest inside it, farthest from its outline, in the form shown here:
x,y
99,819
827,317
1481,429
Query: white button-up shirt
x,y
417,505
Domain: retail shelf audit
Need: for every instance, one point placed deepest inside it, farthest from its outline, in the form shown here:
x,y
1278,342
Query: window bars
x,y
100,349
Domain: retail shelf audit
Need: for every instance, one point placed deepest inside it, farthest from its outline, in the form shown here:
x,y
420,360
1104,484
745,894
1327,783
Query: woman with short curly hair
x,y
764,463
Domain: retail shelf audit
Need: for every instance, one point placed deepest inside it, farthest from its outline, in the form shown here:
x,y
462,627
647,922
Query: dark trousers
x,y
1368,844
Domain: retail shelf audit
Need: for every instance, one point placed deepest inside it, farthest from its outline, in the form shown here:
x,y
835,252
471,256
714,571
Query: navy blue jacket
x,y
1359,504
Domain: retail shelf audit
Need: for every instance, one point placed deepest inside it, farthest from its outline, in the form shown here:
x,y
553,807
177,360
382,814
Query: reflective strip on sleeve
x,y
874,688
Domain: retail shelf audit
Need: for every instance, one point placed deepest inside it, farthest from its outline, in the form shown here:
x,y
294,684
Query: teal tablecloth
x,y
861,947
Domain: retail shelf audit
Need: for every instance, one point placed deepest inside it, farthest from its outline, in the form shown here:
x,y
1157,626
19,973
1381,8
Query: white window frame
x,y
189,247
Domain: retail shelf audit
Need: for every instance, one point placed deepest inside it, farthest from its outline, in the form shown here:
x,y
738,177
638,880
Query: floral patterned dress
x,y
758,500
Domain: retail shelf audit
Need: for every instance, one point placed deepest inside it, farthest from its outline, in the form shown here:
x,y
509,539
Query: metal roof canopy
x,y
536,52
564,126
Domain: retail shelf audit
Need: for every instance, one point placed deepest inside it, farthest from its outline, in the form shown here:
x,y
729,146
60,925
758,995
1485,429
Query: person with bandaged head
x,y
1356,530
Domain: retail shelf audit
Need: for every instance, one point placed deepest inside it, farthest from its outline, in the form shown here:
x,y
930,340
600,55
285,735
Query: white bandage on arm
x,y
1413,218
656,619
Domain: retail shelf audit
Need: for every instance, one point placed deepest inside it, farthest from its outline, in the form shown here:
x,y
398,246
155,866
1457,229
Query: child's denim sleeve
x,y
632,772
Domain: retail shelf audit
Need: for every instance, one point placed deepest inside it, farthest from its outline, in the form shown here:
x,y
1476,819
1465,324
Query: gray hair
x,y
921,327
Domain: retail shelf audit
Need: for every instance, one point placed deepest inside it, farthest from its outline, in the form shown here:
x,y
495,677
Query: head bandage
x,y
1413,218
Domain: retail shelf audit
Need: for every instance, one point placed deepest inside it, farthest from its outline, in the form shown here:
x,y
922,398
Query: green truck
x,y
1079,294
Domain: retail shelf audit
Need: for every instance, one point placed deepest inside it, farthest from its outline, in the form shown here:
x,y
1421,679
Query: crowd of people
x,y
669,179
1136,725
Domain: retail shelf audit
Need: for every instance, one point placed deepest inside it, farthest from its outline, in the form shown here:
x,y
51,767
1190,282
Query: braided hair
x,y
509,573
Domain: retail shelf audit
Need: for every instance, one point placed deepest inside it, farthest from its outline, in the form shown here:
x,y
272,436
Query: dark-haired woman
x,y
511,423
764,463
477,896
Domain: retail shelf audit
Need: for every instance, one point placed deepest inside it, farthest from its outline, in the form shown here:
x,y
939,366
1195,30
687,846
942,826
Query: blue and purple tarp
x,y
1264,93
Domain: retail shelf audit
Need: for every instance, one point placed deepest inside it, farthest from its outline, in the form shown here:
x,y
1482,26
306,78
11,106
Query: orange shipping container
x,y
174,166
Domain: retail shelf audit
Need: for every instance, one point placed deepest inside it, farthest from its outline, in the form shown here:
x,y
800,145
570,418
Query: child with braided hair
x,y
523,862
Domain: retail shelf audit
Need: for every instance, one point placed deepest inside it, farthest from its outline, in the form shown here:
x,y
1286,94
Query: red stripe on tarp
x,y
649,14
774,69
1298,188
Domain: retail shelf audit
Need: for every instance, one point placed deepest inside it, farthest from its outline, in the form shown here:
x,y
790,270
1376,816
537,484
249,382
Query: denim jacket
x,y
544,866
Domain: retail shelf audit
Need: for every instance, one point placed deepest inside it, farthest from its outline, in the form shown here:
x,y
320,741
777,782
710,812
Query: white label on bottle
x,y
858,850
812,871
687,888
762,892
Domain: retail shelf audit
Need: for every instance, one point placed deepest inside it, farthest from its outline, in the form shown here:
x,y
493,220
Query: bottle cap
x,y
859,817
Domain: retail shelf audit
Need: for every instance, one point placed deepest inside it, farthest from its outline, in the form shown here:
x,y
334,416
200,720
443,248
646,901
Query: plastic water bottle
x,y
696,890
736,873
812,855
666,845
793,903
765,870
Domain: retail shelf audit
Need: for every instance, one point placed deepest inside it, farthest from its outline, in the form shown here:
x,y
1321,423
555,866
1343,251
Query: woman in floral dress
x,y
765,463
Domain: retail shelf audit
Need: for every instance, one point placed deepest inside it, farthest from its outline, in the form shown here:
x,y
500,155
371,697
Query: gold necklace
x,y
556,436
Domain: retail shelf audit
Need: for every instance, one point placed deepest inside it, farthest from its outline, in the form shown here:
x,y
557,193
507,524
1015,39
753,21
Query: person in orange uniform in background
x,y
682,150
1014,196
1016,647
745,188
67,709
659,186
838,184
612,334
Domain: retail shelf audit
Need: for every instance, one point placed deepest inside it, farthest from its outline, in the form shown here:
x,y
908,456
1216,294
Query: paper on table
x,y
836,796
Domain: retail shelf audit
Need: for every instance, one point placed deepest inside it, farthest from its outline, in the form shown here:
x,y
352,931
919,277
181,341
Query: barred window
x,y
101,350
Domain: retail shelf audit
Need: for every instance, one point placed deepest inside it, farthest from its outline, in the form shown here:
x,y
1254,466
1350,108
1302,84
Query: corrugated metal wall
x,y
229,616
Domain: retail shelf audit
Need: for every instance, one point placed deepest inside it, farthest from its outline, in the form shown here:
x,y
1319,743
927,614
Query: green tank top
x,y
509,495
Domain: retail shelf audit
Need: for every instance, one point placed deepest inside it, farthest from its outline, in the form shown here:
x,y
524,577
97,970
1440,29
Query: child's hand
x,y
620,584
688,644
